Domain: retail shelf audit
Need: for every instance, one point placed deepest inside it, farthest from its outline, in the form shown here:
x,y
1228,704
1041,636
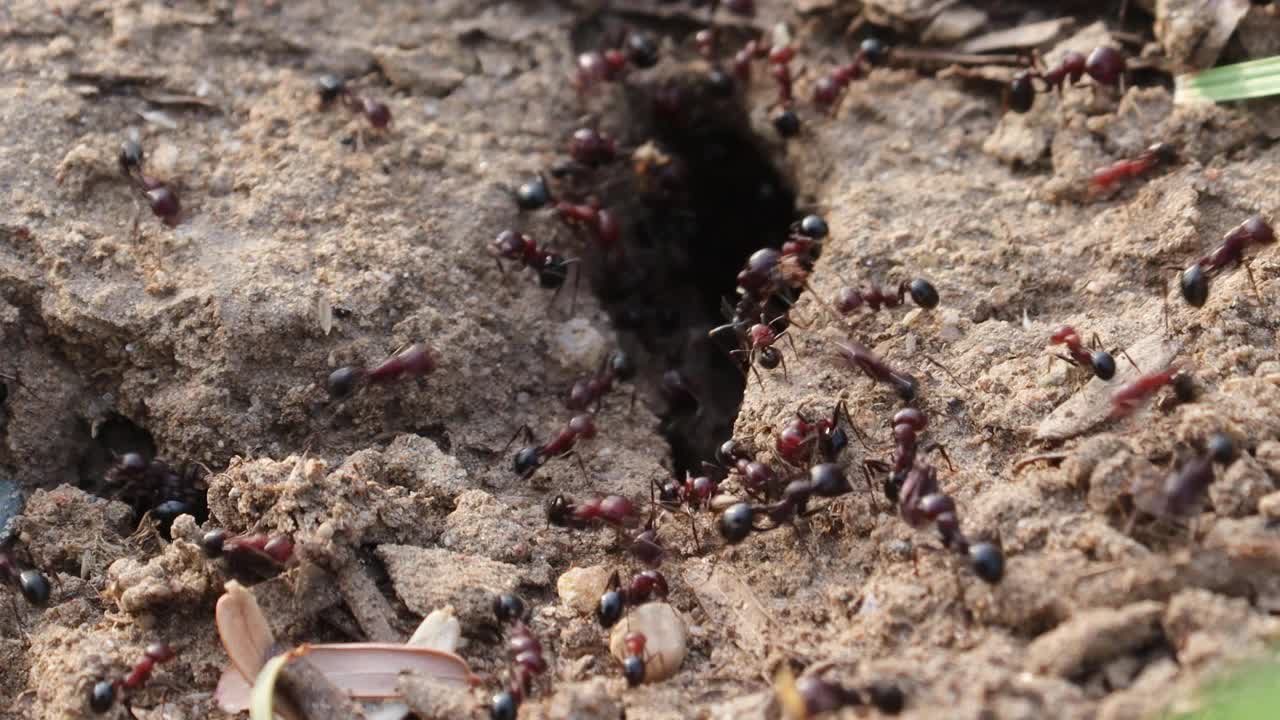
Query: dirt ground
x,y
205,345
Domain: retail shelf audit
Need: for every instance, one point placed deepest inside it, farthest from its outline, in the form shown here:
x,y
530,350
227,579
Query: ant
x,y
552,269
922,292
645,585
531,194
1100,362
802,441
618,365
31,583
525,653
1185,487
602,224
827,91
860,357
591,148
613,510
528,459
161,198
757,343
1105,65
332,87
907,425
255,555
153,486
811,696
1157,154
825,480
1127,399
103,693
1194,280
922,502
417,360
611,65
633,665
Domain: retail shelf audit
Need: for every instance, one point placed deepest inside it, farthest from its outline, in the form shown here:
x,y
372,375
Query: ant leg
x,y
751,363
783,360
791,342
943,451
578,456
945,369
727,326
1131,362
843,408
871,488
523,429
818,298
577,276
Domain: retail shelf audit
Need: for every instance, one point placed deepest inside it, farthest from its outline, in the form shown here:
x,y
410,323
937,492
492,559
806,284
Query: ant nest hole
x,y
697,193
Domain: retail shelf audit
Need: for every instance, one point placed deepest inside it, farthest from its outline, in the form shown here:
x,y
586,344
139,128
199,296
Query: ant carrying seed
x,y
922,293
103,694
1194,281
528,459
1100,362
644,586
525,654
1154,156
618,365
1137,391
161,198
633,665
921,502
868,362
417,360
332,87
829,90
254,556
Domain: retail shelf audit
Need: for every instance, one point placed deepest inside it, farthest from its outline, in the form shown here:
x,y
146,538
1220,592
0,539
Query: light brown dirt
x,y
207,335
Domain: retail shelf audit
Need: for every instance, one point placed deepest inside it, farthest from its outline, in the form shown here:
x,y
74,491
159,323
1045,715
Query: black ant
x,y
618,365
830,89
921,501
33,585
1195,279
332,87
103,693
907,425
868,362
160,197
611,65
757,344
528,459
922,293
417,360
613,510
525,654
1184,488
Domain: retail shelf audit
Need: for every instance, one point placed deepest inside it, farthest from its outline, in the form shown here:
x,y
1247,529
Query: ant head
x,y
330,87
770,357
828,480
911,417
503,706
533,195
212,542
164,204
554,272
622,365
1259,230
987,561
1222,448
102,696
558,510
1164,152
509,245
786,123
34,587
669,492
813,226
130,156
1021,92
1104,366
610,610
1195,285
633,670
342,382
735,523
874,50
642,50
508,607
923,293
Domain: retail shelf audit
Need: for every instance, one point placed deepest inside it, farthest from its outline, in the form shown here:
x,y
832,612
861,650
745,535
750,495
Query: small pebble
x,y
580,588
579,346
1269,506
664,634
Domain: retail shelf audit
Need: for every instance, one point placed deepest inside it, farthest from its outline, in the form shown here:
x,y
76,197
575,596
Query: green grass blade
x,y
1242,81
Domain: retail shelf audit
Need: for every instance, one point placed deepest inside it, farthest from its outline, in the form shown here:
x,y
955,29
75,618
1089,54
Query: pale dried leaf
x,y
1024,36
243,628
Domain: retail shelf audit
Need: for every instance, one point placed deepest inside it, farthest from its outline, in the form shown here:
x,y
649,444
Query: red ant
x,y
645,585
31,583
811,696
633,665
1127,399
525,653
828,90
254,555
1185,487
616,366
552,269
332,87
530,458
922,292
757,343
1100,362
1105,65
613,510
801,442
601,224
907,425
103,693
591,148
161,198
1158,154
805,239
611,65
153,486
860,357
1195,279
417,360
922,501
825,480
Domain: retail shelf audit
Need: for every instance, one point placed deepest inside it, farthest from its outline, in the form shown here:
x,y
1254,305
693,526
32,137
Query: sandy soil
x,y
206,341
